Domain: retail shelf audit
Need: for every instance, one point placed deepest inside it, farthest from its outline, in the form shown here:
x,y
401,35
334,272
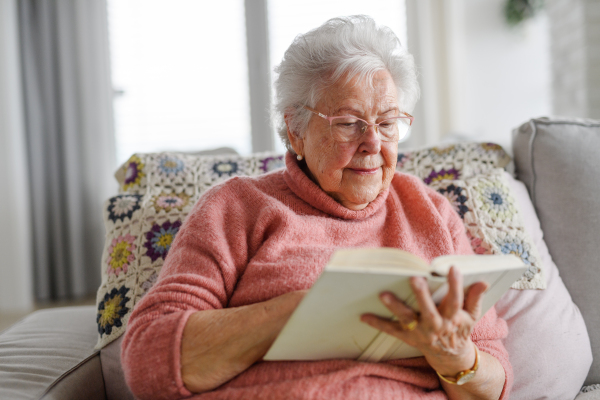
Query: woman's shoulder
x,y
404,177
244,189
404,182
419,199
412,187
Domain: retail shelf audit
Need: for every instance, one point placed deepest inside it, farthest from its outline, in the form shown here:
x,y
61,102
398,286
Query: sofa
x,y
54,354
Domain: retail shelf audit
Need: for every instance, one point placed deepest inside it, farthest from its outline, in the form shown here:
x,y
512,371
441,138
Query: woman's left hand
x,y
442,332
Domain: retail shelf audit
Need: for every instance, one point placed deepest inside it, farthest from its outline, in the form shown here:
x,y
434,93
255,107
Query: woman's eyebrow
x,y
347,109
352,110
394,108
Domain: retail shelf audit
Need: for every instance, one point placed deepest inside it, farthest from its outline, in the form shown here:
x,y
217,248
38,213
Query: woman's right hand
x,y
219,344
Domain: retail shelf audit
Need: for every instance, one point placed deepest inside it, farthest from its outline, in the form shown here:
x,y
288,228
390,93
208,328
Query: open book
x,y
326,324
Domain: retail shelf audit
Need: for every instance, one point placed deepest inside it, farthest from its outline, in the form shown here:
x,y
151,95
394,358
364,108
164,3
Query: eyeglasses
x,y
348,128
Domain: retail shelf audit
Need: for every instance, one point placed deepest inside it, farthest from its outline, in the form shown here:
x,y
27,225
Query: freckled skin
x,y
332,165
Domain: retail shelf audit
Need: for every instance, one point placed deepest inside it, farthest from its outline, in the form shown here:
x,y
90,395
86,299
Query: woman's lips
x,y
364,171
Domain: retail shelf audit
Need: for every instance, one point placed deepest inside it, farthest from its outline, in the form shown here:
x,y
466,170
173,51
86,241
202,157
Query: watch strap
x,y
456,380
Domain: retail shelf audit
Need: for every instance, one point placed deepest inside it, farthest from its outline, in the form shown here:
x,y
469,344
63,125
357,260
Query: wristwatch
x,y
463,376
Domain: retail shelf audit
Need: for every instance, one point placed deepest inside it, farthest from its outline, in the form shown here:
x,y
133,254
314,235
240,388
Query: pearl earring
x,y
299,157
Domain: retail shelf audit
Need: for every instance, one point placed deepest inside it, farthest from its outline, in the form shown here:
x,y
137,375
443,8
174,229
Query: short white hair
x,y
341,47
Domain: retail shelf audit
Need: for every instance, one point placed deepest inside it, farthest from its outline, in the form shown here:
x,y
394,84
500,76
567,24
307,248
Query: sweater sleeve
x,y
200,272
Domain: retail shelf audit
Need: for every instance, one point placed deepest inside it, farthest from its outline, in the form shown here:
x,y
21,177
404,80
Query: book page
x,y
384,260
469,264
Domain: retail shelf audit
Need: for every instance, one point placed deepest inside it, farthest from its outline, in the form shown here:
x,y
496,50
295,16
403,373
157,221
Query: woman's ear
x,y
295,139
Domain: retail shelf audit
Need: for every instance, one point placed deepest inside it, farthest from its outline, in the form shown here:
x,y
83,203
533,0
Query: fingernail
x,y
418,282
387,299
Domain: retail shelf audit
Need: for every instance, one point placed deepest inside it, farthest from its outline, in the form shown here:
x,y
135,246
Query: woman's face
x,y
352,173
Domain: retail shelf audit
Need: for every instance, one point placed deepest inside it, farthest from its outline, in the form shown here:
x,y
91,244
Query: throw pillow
x,y
452,161
548,344
493,221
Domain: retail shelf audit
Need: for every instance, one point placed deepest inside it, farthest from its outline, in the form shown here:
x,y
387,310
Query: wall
x,y
506,72
575,33
479,78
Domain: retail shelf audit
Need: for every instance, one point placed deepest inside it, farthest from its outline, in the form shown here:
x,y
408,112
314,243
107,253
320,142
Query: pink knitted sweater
x,y
251,239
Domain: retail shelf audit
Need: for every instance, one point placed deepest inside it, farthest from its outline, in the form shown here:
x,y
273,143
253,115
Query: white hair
x,y
341,47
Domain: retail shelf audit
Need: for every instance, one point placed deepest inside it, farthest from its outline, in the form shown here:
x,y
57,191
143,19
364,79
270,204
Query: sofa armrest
x,y
48,353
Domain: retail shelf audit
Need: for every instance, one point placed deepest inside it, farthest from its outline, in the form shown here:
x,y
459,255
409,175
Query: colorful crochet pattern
x,y
157,193
158,190
493,222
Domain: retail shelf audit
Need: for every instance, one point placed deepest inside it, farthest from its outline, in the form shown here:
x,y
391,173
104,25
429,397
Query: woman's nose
x,y
370,140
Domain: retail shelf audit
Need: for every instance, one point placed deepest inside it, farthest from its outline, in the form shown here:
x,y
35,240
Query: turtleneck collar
x,y
311,193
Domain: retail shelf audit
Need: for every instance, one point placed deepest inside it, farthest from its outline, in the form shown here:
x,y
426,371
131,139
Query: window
x,y
180,68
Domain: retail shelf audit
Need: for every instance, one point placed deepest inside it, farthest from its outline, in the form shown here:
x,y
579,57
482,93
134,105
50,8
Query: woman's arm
x,y
487,383
218,345
443,334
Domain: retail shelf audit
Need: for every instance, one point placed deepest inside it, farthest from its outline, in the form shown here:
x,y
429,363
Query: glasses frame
x,y
367,125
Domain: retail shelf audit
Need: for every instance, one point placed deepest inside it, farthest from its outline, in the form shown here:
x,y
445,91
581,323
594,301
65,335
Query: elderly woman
x,y
251,247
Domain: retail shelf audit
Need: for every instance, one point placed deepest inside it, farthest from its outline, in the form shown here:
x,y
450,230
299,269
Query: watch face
x,y
465,378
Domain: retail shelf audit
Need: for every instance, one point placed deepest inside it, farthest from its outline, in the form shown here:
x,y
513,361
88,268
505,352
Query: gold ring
x,y
410,326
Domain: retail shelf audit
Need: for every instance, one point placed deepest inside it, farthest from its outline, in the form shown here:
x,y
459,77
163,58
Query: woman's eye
x,y
388,124
347,123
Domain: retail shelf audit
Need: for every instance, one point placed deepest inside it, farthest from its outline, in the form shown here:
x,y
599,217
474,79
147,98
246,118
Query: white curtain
x,y
70,141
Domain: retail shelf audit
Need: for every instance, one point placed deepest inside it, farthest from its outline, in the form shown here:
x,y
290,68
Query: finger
x,y
405,314
453,302
430,316
382,324
474,299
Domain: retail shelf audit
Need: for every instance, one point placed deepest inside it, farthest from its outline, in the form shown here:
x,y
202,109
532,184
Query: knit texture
x,y
251,239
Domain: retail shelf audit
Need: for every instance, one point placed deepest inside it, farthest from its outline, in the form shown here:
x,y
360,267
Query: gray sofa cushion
x,y
114,377
559,162
84,381
50,351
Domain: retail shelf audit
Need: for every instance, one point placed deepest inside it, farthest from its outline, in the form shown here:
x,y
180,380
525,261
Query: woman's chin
x,y
357,202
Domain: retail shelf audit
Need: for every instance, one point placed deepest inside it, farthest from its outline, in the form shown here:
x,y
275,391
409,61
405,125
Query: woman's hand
x,y
443,332
218,345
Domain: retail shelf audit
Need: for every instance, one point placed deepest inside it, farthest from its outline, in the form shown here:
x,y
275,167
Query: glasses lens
x,y
394,129
349,129
346,129
388,129
403,128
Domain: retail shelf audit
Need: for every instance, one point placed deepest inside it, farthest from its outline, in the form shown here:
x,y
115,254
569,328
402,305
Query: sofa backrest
x,y
558,159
